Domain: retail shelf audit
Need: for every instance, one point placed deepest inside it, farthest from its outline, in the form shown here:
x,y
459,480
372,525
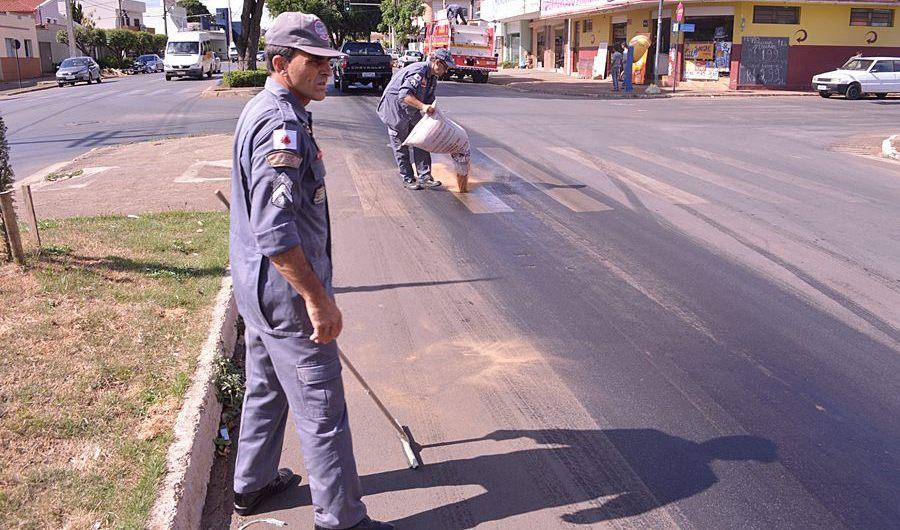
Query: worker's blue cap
x,y
301,31
443,54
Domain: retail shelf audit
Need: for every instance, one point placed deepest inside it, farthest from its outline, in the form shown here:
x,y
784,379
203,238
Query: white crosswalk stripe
x,y
560,191
723,181
641,182
479,199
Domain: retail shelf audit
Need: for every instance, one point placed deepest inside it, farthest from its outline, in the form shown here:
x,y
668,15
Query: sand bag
x,y
438,134
461,163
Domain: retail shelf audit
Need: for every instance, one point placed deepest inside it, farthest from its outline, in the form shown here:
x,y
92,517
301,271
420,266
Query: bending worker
x,y
410,94
455,14
281,266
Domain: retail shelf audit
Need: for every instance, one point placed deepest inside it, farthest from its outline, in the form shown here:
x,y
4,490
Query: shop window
x,y
776,15
883,18
588,26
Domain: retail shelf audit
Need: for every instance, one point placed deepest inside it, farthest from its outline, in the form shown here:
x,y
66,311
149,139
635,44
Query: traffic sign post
x,y
17,45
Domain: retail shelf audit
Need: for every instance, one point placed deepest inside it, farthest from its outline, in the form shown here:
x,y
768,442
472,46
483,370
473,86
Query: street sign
x,y
687,28
17,44
679,12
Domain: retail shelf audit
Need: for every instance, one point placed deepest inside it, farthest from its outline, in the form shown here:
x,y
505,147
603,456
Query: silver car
x,y
75,69
409,57
152,61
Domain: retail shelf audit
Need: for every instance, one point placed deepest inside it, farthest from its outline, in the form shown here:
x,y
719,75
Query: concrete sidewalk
x,y
552,83
11,88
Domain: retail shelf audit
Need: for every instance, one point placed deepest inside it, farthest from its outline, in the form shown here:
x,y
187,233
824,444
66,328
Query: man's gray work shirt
x,y
417,80
278,202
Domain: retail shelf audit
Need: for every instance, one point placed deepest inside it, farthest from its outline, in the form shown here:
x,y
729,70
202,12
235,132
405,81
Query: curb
x,y
663,95
36,88
182,493
218,91
887,147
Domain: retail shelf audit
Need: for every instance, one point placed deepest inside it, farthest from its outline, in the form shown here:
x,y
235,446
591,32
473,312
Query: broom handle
x,y
394,423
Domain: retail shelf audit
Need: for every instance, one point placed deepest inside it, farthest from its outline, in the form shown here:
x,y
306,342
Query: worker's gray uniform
x,y
279,202
417,80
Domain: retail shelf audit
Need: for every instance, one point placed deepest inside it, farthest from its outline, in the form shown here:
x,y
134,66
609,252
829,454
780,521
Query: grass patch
x,y
99,338
63,175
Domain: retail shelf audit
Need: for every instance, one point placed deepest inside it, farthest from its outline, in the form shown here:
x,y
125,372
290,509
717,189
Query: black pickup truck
x,y
365,62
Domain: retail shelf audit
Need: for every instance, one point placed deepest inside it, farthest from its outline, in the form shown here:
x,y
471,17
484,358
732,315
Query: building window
x,y
10,47
588,26
776,15
883,18
28,51
137,23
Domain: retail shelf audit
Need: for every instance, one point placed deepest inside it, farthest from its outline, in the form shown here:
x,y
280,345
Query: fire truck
x,y
471,45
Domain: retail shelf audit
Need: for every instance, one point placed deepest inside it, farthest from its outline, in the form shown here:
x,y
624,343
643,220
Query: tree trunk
x,y
251,16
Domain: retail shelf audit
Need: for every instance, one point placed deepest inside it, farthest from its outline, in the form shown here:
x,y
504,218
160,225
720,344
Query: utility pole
x,y
165,17
121,17
654,88
70,29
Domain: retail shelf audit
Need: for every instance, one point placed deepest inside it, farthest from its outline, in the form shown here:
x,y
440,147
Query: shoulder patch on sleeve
x,y
284,158
284,139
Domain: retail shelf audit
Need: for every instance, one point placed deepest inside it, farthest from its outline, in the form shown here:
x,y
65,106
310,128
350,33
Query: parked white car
x,y
409,57
861,75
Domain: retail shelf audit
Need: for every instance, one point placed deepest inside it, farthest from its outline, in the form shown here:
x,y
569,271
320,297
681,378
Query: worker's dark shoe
x,y
245,503
429,183
411,184
366,524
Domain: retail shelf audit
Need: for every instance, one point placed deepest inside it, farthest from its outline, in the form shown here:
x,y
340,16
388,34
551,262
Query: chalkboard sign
x,y
764,61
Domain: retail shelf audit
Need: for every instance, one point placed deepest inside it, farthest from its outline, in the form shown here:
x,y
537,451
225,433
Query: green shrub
x,y
113,62
244,78
508,64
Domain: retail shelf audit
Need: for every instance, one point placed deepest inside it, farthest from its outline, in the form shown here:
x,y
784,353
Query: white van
x,y
190,53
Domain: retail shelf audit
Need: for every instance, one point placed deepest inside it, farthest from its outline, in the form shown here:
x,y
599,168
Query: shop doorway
x,y
576,43
560,39
515,43
662,50
707,49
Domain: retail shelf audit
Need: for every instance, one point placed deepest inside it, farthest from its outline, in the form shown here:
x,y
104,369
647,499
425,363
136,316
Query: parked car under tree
x,y
76,69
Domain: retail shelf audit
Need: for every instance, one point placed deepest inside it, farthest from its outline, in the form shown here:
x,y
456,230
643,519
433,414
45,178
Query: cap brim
x,y
450,64
321,52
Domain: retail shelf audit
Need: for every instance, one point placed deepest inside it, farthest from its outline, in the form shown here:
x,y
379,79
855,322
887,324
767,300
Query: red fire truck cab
x,y
471,45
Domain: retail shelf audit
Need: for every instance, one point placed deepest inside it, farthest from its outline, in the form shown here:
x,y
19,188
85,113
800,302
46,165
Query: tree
x,y
6,178
77,13
121,41
86,39
247,41
193,8
398,15
342,20
159,43
144,43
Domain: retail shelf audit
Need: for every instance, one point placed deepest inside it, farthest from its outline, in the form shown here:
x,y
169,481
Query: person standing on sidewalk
x,y
616,65
409,94
281,266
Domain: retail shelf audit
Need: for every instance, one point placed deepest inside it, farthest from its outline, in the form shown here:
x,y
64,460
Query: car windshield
x,y
70,63
363,48
183,48
857,64
145,58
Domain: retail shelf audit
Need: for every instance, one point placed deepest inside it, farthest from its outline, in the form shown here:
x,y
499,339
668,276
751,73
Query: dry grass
x,y
98,340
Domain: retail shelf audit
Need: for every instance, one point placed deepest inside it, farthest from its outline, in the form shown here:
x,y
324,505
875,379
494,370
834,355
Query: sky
x,y
236,6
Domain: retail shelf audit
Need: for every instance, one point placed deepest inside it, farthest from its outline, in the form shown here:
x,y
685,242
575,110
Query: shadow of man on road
x,y
569,467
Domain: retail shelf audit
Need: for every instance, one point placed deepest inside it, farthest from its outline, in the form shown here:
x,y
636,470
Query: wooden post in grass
x,y
222,198
12,227
30,216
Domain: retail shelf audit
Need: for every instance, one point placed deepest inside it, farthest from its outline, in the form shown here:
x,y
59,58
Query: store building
x,y
512,27
741,44
23,62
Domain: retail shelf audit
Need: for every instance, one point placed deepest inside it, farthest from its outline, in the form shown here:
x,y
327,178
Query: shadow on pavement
x,y
389,286
671,467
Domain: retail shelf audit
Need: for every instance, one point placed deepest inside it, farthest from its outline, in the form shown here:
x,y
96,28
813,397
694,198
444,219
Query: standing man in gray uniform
x,y
409,94
281,266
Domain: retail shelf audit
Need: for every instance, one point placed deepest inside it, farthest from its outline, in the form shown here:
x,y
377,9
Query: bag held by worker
x,y
438,134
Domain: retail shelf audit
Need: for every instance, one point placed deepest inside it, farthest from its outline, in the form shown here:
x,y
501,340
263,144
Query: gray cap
x,y
301,31
442,54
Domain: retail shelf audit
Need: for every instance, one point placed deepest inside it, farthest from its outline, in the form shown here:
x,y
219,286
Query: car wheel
x,y
60,84
209,74
460,76
99,78
881,95
168,78
825,93
854,91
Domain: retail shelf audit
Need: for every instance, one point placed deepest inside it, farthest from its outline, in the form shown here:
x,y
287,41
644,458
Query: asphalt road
x,y
653,313
56,125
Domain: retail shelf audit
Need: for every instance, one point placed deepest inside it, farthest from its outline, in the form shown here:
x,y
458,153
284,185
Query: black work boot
x,y
366,524
245,503
429,183
411,184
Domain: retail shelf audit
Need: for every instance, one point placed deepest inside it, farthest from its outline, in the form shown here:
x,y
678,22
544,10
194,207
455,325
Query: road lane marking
x,y
479,199
723,181
776,174
377,197
192,173
669,193
573,199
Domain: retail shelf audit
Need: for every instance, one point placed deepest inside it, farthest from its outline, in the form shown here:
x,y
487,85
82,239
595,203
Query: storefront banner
x,y
560,7
723,56
503,9
698,69
699,50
